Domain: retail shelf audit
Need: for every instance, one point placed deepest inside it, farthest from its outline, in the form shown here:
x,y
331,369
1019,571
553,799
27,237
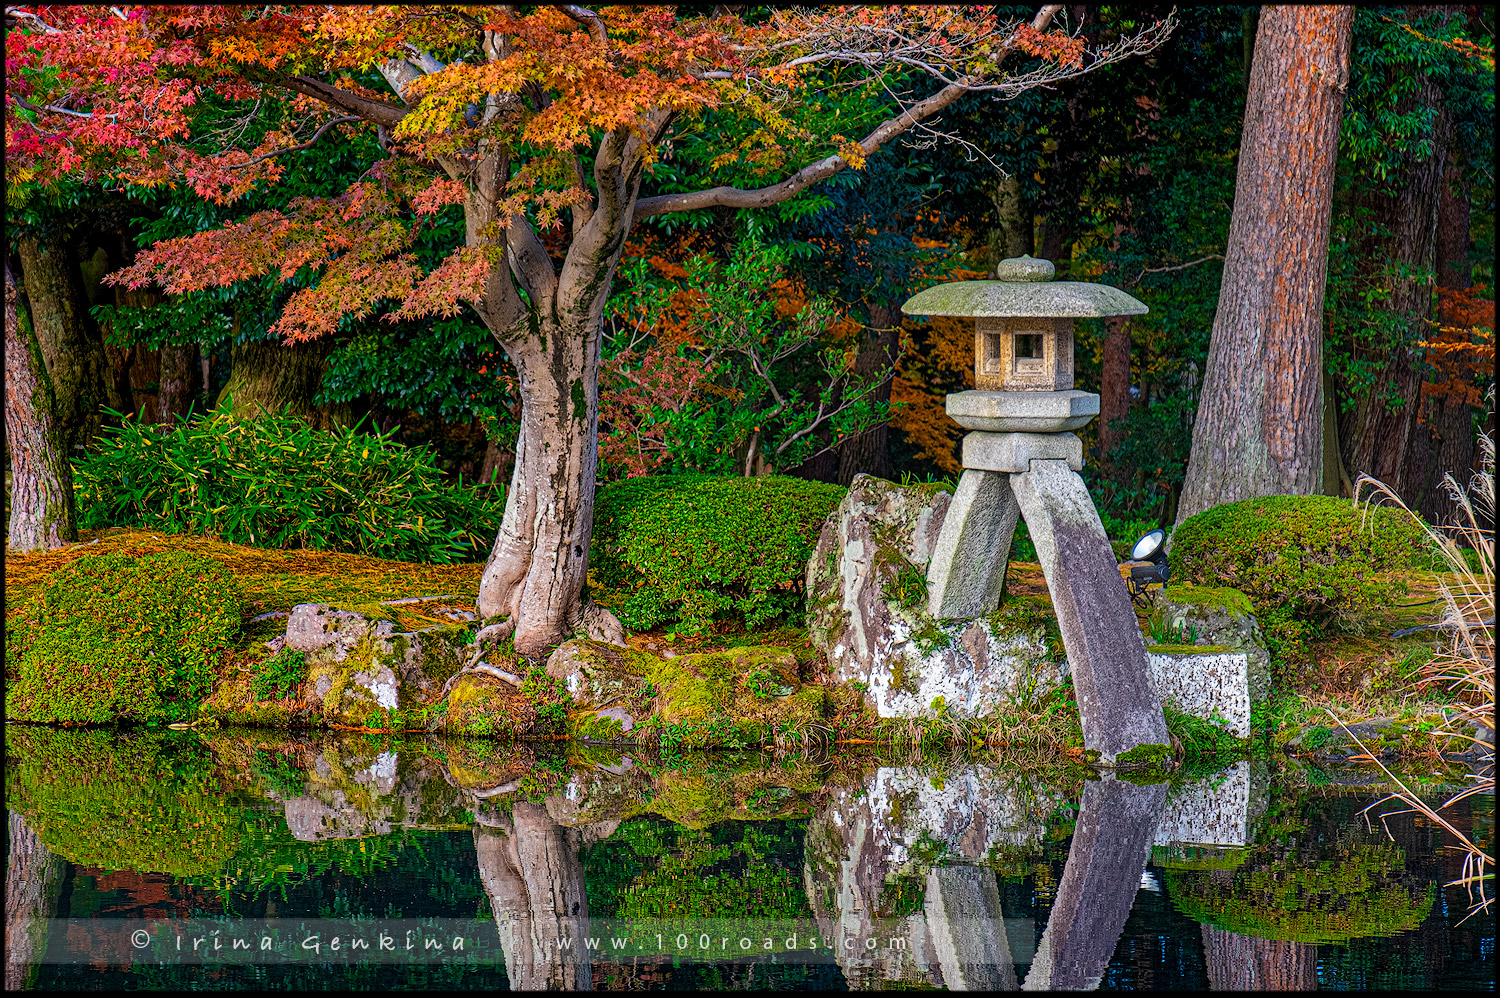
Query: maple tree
x,y
534,120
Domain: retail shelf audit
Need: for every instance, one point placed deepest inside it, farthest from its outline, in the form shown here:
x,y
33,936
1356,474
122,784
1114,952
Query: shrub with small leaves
x,y
692,548
277,676
120,638
1308,563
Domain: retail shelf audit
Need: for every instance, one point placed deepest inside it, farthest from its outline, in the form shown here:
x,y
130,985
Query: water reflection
x,y
989,878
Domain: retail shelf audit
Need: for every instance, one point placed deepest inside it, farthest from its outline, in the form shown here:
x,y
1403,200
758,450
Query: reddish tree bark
x,y
1259,429
41,501
870,453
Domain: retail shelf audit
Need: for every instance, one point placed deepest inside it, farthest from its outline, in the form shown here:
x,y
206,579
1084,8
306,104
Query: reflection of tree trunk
x,y
32,875
1244,963
876,358
534,880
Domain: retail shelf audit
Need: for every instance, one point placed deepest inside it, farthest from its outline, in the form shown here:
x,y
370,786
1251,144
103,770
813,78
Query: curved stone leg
x,y
1111,678
1116,826
968,561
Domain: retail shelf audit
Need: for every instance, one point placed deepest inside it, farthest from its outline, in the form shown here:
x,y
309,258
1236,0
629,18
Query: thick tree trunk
x,y
266,376
178,382
530,870
1015,227
41,500
497,464
1114,384
67,334
1259,429
870,453
536,572
1243,963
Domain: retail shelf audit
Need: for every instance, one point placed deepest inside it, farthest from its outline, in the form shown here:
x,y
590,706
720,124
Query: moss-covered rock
x,y
867,611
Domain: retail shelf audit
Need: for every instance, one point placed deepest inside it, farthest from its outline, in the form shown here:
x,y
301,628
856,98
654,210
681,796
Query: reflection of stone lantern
x,y
1019,458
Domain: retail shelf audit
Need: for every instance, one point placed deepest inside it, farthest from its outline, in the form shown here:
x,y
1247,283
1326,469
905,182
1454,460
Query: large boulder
x,y
867,611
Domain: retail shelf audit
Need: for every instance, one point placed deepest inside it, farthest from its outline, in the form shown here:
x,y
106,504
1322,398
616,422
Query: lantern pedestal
x,y
1020,460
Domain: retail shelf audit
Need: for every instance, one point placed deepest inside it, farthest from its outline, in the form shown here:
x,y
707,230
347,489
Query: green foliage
x,y
1201,737
691,549
730,870
277,482
279,674
1307,563
112,637
1163,633
548,696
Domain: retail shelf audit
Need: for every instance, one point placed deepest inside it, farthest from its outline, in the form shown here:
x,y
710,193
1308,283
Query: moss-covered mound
x,y
690,548
113,638
1306,562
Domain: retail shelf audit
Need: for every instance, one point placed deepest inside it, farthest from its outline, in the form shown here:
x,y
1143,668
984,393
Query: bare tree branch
x,y
349,103
344,119
1180,266
588,19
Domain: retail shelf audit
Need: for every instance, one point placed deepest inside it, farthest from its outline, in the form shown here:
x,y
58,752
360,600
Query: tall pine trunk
x,y
1259,429
41,499
870,452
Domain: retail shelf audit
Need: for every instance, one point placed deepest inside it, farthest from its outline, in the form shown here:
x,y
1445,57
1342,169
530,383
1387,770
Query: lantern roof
x,y
1025,289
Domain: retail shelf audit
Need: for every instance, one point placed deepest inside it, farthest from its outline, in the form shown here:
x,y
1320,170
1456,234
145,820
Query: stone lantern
x,y
1020,459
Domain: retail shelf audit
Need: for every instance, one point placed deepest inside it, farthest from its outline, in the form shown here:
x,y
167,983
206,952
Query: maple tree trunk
x,y
1015,228
41,498
1259,429
870,452
1244,963
532,875
66,332
536,572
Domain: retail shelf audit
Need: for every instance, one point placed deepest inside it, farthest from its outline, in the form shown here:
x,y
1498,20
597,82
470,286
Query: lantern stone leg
x,y
968,562
1111,677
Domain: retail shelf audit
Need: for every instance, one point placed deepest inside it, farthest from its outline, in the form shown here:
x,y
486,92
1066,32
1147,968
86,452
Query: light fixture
x,y
1149,549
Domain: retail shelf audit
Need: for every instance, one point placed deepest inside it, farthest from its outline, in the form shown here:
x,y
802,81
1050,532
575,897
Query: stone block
x,y
1211,685
1119,708
969,558
1013,452
1023,412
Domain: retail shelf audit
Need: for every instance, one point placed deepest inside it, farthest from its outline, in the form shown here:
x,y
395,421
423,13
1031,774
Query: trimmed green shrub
x,y
120,638
1308,563
275,482
692,548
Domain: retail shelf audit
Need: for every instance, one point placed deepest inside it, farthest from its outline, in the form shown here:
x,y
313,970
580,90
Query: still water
x,y
249,859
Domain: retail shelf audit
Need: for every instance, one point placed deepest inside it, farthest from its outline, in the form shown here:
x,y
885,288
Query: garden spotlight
x,y
1148,549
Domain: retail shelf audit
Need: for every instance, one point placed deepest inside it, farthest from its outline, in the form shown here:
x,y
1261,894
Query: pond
x,y
240,859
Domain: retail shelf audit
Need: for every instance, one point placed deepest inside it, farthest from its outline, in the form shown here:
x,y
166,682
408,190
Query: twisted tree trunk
x,y
1259,429
41,502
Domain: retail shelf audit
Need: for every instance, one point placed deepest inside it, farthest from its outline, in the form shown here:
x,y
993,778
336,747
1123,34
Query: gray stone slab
x,y
1004,299
1023,412
1014,452
962,906
1214,686
1111,678
1111,842
969,558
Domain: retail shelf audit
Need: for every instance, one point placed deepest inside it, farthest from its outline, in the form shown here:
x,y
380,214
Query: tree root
x,y
494,632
